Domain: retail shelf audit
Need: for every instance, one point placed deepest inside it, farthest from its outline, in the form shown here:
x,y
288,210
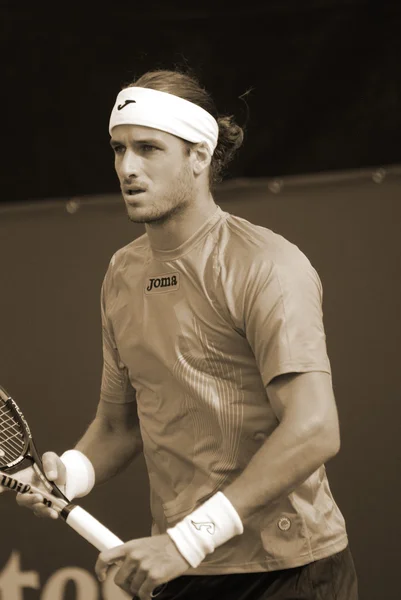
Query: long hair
x,y
188,87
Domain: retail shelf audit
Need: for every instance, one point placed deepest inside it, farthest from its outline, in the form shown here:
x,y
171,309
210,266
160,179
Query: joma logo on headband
x,y
120,106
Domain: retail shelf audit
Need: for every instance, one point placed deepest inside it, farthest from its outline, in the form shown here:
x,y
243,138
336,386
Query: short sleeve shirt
x,y
194,335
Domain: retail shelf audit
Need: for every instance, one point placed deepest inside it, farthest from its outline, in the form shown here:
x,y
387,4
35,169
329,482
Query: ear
x,y
200,158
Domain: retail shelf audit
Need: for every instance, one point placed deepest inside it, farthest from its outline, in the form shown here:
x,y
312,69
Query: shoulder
x,y
136,247
246,246
127,256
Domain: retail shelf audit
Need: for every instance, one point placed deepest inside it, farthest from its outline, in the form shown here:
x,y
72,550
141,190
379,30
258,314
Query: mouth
x,y
131,196
133,192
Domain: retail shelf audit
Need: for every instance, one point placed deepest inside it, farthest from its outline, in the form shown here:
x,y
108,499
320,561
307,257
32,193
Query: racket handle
x,y
90,529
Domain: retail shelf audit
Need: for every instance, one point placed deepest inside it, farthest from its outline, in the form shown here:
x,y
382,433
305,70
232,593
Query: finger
x,y
107,558
146,582
128,578
42,511
34,502
139,585
147,589
29,500
158,590
54,468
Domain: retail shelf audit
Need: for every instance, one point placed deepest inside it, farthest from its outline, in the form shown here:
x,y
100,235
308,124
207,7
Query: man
x,y
215,366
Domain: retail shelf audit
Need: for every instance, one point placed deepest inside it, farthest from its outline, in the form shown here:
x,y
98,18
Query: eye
x,y
118,148
148,148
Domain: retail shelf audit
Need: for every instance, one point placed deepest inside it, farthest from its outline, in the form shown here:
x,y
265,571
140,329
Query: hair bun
x,y
231,131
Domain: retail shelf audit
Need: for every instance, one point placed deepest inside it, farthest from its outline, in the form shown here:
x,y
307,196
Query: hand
x,y
55,471
145,564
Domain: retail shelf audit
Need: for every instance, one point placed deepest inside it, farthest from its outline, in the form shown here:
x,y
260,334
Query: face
x,y
155,174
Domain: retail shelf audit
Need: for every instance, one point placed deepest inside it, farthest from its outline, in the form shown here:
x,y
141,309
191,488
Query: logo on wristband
x,y
208,525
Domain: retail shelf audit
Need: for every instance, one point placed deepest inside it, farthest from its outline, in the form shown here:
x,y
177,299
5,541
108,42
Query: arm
x,y
112,440
306,437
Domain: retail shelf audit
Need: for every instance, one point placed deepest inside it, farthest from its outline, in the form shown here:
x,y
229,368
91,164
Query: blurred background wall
x,y
53,257
323,79
321,165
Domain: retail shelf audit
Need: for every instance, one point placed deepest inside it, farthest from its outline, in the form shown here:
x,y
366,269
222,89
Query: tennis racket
x,y
18,451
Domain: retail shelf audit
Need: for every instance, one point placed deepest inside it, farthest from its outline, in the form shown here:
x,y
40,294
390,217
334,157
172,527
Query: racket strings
x,y
12,440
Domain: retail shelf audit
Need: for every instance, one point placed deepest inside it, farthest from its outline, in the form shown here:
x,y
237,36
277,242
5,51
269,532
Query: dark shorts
x,y
331,578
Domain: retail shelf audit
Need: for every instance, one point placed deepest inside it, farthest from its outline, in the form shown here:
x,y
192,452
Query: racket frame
x,y
75,516
29,452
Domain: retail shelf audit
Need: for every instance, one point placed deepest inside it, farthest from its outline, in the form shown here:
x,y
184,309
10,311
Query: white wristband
x,y
80,474
207,527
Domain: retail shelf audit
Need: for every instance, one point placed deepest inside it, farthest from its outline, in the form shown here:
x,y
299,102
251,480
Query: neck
x,y
182,225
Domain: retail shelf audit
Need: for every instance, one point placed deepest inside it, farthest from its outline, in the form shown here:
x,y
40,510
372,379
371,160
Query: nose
x,y
128,166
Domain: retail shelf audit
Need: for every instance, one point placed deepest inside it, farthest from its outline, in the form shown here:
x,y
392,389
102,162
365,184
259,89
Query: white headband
x,y
167,112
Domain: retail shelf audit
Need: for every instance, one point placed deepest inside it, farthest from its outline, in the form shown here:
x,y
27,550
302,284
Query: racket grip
x,y
91,529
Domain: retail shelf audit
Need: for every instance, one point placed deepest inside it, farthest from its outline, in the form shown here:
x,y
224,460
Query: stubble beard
x,y
173,202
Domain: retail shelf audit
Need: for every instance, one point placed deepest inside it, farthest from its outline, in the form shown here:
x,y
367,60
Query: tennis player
x,y
216,368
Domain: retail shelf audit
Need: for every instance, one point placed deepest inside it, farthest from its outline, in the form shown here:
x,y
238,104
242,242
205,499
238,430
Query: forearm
x,y
286,459
110,449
